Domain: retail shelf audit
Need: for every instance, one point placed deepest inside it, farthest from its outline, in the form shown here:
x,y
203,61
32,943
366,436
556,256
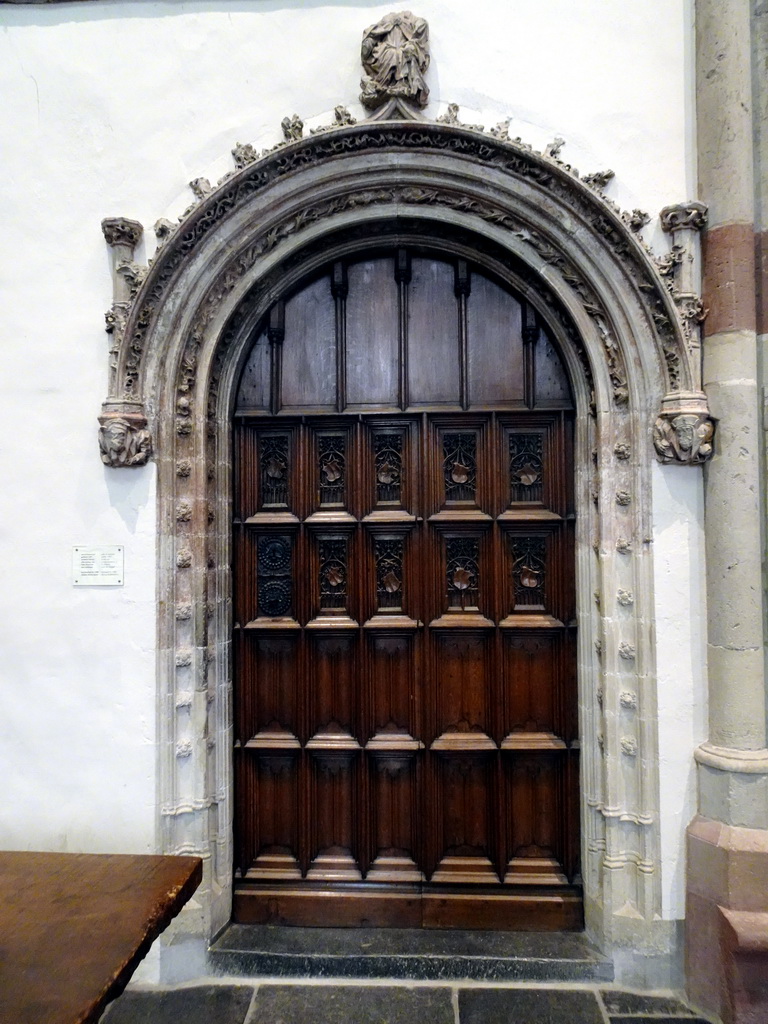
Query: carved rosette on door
x,y
406,745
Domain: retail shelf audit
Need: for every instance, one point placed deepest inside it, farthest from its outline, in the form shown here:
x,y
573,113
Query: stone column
x,y
124,439
727,884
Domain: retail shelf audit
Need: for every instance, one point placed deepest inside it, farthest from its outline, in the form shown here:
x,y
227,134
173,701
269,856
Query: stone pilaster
x,y
728,841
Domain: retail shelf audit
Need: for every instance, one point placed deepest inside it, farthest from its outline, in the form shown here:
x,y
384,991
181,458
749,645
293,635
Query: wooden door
x,y
406,748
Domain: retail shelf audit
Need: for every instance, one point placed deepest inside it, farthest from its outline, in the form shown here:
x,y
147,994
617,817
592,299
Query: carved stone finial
x,y
163,230
684,437
121,231
395,57
599,179
201,187
124,440
293,128
244,154
552,149
501,130
684,216
451,116
636,220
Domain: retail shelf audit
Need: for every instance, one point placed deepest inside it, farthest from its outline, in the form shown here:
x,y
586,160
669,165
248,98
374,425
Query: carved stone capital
x,y
124,439
690,216
121,231
684,436
395,58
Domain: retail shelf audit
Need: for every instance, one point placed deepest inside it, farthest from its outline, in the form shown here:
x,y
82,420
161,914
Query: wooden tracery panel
x,y
406,748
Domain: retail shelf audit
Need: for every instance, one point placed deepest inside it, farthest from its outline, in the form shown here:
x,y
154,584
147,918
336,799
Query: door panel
x,y
405,747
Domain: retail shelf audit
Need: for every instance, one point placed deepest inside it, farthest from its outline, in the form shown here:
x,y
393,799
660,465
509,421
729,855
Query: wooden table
x,y
73,928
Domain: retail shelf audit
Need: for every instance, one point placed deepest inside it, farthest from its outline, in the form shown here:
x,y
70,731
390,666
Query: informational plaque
x,y
98,566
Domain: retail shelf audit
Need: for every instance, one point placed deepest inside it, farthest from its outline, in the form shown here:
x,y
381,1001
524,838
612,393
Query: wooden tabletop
x,y
73,928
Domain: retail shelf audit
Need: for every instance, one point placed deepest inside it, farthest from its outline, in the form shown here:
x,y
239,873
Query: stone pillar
x,y
727,883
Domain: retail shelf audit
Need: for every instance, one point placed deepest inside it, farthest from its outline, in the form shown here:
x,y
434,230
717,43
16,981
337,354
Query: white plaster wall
x,y
681,610
109,108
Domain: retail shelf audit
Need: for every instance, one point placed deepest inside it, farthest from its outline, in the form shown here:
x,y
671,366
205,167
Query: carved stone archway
x,y
629,339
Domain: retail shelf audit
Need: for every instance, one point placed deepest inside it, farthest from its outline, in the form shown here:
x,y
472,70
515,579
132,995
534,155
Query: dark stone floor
x,y
411,954
274,1003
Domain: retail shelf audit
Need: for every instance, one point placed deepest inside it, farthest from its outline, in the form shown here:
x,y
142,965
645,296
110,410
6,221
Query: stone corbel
x,y
684,222
124,439
684,430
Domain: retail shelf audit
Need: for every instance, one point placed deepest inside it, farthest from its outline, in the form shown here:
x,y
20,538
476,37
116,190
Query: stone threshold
x,y
268,951
359,1003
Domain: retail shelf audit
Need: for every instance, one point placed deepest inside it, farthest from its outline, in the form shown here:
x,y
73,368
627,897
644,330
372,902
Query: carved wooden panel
x,y
404,638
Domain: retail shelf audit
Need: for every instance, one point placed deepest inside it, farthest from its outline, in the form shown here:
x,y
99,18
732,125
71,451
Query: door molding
x,y
181,332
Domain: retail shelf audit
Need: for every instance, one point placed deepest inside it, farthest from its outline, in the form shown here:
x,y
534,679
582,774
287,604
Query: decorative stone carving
x,y
628,699
122,231
690,216
395,57
184,748
184,559
124,440
183,659
626,651
132,273
184,511
501,130
552,149
683,437
625,598
183,612
163,230
451,116
667,263
636,220
341,118
623,498
622,451
629,746
244,154
201,187
599,179
293,128
623,546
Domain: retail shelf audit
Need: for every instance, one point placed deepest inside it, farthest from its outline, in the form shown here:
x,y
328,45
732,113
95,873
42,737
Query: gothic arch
x,y
629,339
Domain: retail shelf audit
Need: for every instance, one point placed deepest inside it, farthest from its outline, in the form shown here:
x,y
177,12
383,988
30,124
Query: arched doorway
x,y
181,339
406,737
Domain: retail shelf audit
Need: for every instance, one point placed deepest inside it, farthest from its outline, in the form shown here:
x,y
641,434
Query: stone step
x,y
255,951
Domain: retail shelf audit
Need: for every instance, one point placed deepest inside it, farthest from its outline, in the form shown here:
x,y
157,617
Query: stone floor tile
x,y
528,1006
653,1018
350,1004
199,1004
627,1003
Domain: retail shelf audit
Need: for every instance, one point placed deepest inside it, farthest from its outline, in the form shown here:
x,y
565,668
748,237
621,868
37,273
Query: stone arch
x,y
180,332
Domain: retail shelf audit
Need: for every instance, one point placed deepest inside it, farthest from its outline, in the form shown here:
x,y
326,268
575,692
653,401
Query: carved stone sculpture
x,y
684,217
599,179
124,440
122,231
395,56
683,437
293,128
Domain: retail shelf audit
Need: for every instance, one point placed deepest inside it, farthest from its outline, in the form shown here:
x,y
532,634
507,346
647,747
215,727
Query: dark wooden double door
x,y
405,723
